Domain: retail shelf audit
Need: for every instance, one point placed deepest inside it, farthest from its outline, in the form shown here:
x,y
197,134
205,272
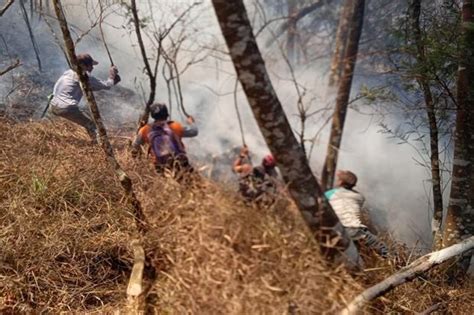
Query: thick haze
x,y
388,176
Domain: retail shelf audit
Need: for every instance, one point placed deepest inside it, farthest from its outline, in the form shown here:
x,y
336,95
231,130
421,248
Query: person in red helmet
x,y
256,183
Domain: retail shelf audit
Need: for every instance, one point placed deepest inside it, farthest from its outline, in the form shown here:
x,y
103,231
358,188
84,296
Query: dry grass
x,y
65,232
64,229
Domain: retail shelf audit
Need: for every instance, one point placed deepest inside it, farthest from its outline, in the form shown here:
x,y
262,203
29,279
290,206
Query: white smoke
x,y
388,177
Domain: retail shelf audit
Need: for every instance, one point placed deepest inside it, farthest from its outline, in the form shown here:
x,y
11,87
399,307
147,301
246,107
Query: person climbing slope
x,y
67,93
347,204
259,182
164,138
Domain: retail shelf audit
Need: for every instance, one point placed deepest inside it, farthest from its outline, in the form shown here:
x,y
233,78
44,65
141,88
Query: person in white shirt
x,y
347,204
67,93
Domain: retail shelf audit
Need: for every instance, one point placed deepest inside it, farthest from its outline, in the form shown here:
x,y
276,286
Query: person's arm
x,y
113,79
137,143
239,165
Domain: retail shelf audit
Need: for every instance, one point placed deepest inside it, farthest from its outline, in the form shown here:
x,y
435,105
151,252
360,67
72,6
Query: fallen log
x,y
135,284
410,272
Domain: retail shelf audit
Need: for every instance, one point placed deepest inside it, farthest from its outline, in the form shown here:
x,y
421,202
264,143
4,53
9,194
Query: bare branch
x,y
10,67
296,17
6,6
30,32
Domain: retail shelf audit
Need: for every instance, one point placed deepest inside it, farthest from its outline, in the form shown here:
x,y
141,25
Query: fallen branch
x,y
6,6
410,272
135,285
10,67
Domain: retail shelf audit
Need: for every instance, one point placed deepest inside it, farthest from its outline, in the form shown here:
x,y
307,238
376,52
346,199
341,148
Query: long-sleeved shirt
x,y
347,204
181,131
67,90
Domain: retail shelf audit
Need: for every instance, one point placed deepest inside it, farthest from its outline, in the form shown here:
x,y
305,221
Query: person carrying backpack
x,y
257,183
67,93
164,138
347,204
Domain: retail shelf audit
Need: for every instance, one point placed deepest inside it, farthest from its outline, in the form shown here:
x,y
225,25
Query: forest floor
x,y
65,231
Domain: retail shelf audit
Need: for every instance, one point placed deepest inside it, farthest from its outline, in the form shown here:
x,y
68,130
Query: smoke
x,y
388,176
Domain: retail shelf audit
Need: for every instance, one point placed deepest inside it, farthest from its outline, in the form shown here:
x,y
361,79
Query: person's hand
x,y
190,120
244,151
113,71
117,79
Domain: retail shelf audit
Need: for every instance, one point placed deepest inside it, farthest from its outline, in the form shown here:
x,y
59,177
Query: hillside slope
x,y
65,233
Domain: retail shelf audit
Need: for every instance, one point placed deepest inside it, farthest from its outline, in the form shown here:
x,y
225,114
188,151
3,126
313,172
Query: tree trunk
x,y
342,100
459,222
423,82
410,272
125,181
273,123
151,74
341,40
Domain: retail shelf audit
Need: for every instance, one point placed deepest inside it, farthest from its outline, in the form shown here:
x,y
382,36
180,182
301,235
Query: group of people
x,y
164,140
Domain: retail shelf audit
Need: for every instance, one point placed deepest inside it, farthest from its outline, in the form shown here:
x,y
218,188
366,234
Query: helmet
x,y
269,161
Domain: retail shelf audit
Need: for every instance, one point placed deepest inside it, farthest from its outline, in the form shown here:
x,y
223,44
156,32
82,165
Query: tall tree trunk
x,y
273,123
292,30
423,82
125,181
343,93
459,222
341,40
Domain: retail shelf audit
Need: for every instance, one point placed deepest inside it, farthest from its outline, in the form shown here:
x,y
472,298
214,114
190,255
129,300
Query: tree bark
x,y
125,181
342,100
410,272
273,123
459,222
341,40
423,82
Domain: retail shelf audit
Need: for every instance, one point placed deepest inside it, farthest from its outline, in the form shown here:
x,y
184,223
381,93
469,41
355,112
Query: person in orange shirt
x,y
257,183
159,112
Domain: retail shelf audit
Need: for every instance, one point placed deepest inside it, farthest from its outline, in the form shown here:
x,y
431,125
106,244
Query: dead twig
x,y
10,67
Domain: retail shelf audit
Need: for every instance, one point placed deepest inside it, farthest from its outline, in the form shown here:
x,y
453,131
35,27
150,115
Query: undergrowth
x,y
65,230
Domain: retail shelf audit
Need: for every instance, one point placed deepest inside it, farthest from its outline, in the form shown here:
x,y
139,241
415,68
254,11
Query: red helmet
x,y
269,161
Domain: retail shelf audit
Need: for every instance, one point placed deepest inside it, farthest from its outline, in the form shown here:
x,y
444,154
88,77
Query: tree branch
x,y
6,6
10,67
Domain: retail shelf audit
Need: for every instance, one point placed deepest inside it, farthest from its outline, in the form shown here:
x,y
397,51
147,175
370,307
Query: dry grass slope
x,y
65,230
